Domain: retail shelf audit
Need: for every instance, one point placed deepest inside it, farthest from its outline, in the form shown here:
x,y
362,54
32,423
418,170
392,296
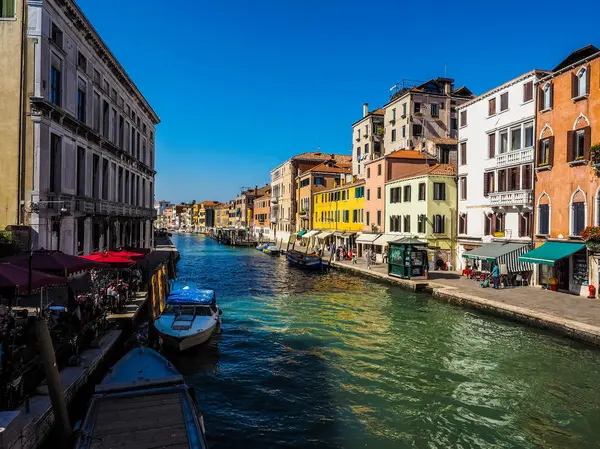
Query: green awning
x,y
550,252
301,233
493,251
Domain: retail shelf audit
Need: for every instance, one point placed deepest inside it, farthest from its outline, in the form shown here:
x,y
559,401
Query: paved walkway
x,y
573,316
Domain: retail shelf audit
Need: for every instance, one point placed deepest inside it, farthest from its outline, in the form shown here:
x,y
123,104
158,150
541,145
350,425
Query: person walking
x,y
369,258
496,276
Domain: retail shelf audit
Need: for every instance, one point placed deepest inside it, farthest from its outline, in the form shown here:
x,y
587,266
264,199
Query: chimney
x,y
255,190
448,88
365,109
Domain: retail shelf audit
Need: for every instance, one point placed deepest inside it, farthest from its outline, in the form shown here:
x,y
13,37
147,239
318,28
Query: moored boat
x,y
272,249
261,246
310,261
191,316
142,402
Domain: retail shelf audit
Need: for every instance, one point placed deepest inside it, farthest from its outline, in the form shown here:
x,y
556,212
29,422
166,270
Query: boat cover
x,y
192,296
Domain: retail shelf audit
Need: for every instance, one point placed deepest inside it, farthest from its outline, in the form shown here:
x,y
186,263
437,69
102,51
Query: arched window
x,y
546,102
543,215
580,83
578,208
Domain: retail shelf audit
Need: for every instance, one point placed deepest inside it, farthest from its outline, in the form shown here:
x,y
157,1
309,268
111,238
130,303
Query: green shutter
x,y
7,9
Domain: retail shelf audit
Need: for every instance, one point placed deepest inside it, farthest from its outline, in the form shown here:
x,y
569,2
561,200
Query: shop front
x,y
365,241
507,255
561,266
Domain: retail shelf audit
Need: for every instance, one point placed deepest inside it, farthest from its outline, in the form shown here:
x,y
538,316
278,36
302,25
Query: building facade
x,y
222,215
567,194
496,141
424,206
367,139
77,151
261,224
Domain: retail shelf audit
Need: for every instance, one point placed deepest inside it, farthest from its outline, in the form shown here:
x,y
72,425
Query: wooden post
x,y
55,389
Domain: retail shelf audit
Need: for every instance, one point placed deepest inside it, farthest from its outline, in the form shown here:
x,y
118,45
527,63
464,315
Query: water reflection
x,y
332,360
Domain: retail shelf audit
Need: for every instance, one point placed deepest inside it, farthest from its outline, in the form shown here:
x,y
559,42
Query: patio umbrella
x,y
16,279
55,262
112,260
126,254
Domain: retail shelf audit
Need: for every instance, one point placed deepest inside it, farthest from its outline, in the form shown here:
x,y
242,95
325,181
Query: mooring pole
x,y
55,390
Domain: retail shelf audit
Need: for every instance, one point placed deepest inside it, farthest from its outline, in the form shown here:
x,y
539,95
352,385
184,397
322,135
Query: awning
x,y
301,233
384,239
339,233
550,252
503,253
367,238
323,235
310,234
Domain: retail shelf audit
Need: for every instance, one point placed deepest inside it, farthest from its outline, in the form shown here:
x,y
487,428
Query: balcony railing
x,y
514,198
515,157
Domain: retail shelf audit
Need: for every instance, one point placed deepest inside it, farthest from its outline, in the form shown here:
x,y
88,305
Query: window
x,y
378,193
403,131
368,172
393,223
417,108
504,101
501,180
492,107
97,78
439,224
378,169
579,150
395,195
403,110
528,135
544,219
359,192
394,114
524,224
368,218
463,188
422,190
492,145
96,112
81,62
453,124
528,91
463,118
407,194
417,130
546,97
578,217
81,102
435,110
503,142
487,224
462,224
378,218
358,151
421,224
393,135
515,138
55,85
7,9
105,120
319,181
106,87
544,152
366,148
407,223
439,191
56,35
514,178
368,194
527,179
463,153
499,220
579,86
55,163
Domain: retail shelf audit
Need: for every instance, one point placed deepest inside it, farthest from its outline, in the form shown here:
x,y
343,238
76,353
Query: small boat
x,y
190,318
272,249
143,402
306,261
261,246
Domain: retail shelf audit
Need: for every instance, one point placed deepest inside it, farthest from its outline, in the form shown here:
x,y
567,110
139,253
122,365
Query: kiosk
x,y
408,258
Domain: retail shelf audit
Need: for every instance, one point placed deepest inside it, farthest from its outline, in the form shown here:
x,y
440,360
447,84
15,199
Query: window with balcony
x,y
55,84
503,142
528,135
463,187
504,101
514,179
491,107
7,9
527,181
502,180
55,164
422,191
462,224
515,138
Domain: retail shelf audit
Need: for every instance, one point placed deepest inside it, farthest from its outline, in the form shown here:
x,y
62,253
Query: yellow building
x,y
340,209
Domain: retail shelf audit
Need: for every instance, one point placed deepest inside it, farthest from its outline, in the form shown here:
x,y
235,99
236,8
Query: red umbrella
x,y
112,260
53,262
15,278
126,254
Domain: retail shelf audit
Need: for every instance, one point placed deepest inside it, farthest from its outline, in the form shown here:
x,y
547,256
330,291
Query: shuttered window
x,y
407,194
462,224
407,223
463,188
463,118
463,153
492,145
439,224
544,219
492,106
422,190
439,191
421,224
504,101
578,218
528,91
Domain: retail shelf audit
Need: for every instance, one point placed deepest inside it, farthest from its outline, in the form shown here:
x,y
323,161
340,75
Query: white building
x,y
496,165
89,136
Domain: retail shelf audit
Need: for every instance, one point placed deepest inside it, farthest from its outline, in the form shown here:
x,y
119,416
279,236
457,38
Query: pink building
x,y
379,171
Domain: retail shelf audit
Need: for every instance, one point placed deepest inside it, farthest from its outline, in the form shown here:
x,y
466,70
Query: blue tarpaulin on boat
x,y
191,296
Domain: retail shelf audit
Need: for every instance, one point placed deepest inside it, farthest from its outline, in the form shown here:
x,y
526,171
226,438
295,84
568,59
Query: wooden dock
x,y
29,428
132,310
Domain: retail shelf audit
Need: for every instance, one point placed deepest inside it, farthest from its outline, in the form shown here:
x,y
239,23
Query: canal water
x,y
336,361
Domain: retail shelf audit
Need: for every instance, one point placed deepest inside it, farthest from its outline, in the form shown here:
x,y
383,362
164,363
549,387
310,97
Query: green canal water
x,y
336,361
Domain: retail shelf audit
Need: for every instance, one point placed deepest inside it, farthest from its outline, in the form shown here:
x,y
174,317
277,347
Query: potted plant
x,y
591,235
595,155
553,284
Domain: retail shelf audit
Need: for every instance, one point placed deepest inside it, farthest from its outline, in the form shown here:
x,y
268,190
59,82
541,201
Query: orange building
x,y
262,215
567,185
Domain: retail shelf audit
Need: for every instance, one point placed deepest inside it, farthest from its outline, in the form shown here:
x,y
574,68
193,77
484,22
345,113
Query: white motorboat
x,y
191,316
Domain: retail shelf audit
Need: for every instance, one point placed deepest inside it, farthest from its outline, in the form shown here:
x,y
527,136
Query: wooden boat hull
x,y
305,262
187,342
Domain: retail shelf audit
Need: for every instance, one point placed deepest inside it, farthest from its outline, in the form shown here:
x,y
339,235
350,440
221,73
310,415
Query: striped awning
x,y
323,235
310,234
367,238
502,253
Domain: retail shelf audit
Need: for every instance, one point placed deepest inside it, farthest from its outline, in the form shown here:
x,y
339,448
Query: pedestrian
x,y
384,256
369,257
496,275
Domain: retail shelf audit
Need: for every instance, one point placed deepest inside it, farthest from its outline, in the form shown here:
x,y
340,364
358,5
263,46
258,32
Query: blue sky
x,y
242,85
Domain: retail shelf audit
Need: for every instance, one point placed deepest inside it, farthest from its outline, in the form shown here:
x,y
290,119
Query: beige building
x,y
367,139
77,147
284,209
